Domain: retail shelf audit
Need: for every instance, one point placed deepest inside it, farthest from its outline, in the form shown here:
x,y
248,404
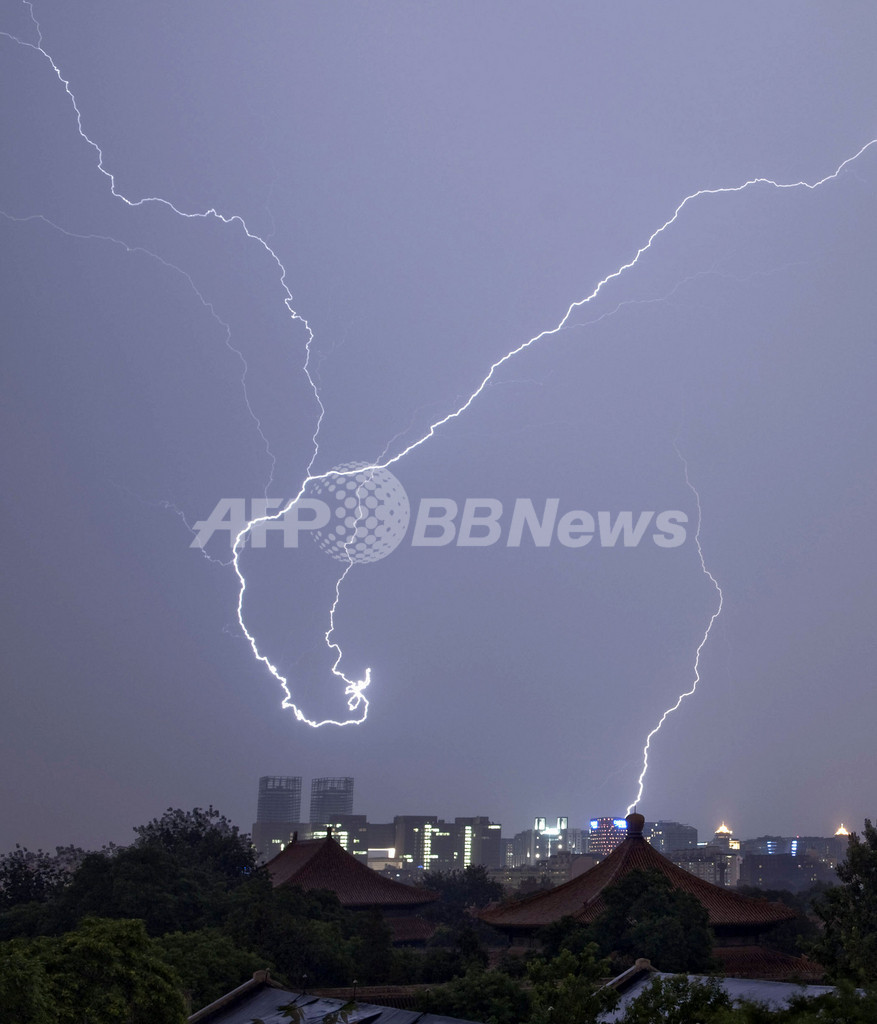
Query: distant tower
x,y
605,834
722,837
277,813
329,798
279,798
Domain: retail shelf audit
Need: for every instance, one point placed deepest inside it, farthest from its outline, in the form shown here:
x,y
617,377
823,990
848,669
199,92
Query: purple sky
x,y
440,181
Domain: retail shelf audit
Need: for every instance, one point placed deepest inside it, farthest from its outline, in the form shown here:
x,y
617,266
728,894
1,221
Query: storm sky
x,y
435,184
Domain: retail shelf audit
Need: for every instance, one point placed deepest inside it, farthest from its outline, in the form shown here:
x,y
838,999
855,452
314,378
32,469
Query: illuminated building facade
x,y
480,841
427,843
724,838
350,831
605,834
543,841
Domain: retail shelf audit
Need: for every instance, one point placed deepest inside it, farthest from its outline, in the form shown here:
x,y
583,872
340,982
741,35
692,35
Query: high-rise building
x,y
669,836
425,842
711,863
790,871
278,813
329,798
279,798
478,840
507,851
605,834
543,841
724,838
414,839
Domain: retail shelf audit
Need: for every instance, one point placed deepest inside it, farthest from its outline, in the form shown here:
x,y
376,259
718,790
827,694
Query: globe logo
x,y
368,513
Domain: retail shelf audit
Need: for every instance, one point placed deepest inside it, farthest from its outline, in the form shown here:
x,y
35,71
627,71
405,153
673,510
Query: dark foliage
x,y
848,946
197,838
208,963
677,1000
567,933
28,877
646,917
569,989
177,876
460,890
479,995
798,934
309,934
461,893
104,972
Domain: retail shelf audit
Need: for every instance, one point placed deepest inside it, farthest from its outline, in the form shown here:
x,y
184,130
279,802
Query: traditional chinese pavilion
x,y
324,864
736,920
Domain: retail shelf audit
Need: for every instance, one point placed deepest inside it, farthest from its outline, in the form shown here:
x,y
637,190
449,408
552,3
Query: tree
x,y
178,875
146,882
208,963
479,995
677,1000
848,947
569,988
471,887
25,990
371,946
103,972
565,933
845,1005
303,933
646,917
201,839
27,877
797,934
460,893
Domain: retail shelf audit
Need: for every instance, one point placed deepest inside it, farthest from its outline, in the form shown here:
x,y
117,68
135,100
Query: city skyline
x,y
516,826
608,324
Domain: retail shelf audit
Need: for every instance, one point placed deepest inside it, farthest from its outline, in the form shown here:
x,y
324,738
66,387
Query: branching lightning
x,y
688,693
354,688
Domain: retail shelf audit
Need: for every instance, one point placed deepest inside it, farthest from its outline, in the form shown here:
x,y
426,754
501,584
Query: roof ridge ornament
x,y
635,824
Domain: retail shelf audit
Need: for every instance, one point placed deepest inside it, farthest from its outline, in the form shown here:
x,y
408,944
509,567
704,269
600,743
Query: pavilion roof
x,y
324,864
582,898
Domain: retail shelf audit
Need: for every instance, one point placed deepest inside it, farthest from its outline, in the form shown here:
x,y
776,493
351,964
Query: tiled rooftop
x,y
324,864
582,897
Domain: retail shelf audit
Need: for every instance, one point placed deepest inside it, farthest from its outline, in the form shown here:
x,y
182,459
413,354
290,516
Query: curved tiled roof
x,y
582,897
770,964
324,864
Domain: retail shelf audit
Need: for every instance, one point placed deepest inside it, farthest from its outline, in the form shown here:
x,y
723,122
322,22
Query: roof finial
x,y
635,824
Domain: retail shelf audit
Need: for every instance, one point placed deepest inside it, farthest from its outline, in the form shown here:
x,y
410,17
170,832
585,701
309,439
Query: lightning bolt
x,y
688,693
354,688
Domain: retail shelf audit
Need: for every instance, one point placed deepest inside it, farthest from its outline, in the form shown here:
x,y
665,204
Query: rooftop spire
x,y
635,823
